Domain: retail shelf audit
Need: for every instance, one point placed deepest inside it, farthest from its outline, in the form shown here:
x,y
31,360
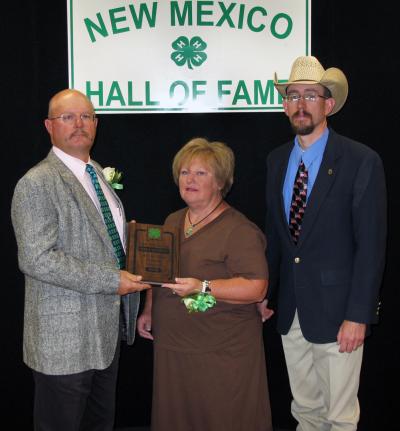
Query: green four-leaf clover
x,y
189,52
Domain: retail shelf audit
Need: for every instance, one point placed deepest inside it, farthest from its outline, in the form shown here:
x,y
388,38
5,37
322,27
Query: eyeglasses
x,y
307,97
70,118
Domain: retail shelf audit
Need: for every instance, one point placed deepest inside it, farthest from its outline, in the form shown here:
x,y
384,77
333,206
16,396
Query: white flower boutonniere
x,y
113,177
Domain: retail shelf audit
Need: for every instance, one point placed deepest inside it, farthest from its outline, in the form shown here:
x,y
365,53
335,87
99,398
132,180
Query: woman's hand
x,y
184,286
265,312
144,325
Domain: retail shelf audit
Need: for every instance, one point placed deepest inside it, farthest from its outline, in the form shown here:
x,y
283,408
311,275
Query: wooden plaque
x,y
153,252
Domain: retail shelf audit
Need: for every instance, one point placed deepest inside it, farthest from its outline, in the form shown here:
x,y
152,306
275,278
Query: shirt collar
x,y
77,166
312,152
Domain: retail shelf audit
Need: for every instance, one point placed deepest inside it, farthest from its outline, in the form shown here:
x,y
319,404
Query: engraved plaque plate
x,y
153,252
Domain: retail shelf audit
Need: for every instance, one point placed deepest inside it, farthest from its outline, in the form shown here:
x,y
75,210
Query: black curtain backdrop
x,y
359,38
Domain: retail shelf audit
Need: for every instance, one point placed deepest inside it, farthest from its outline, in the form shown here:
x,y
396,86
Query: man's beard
x,y
302,129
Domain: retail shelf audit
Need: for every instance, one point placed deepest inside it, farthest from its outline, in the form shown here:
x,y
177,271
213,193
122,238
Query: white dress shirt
x,y
78,168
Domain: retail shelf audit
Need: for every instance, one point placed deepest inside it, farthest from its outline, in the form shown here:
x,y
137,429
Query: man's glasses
x,y
307,97
70,118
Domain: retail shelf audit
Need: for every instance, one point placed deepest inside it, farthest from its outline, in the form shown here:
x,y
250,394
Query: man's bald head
x,y
71,123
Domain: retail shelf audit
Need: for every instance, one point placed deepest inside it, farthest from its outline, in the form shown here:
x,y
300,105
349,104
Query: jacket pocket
x,y
59,304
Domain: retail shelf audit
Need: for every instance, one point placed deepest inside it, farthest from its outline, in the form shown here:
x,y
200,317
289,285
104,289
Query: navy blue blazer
x,y
334,272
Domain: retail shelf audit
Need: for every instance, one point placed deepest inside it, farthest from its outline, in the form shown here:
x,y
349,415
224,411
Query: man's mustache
x,y
80,133
303,113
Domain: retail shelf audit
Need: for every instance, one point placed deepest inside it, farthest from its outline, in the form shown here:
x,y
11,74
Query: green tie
x,y
108,218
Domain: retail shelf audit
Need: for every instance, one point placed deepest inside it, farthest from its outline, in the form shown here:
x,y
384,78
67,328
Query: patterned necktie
x,y
299,201
108,218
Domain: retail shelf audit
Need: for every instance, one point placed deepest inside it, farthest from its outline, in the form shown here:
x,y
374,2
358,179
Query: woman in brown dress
x,y
209,367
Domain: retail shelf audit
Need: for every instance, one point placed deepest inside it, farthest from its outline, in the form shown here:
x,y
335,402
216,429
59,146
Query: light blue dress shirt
x,y
312,158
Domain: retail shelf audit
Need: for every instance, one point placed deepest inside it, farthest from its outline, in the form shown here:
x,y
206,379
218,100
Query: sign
x,y
184,56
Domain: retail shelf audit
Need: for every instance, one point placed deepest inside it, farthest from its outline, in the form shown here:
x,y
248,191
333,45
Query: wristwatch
x,y
205,286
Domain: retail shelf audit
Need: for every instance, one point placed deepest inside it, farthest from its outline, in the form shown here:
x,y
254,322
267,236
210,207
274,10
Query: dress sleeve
x,y
245,255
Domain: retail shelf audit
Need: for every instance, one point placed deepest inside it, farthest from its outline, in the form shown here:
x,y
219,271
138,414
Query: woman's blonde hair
x,y
217,155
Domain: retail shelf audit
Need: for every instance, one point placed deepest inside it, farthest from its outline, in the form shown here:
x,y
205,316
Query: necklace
x,y
189,230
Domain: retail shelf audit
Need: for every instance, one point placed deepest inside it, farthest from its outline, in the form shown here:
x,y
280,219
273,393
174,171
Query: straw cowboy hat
x,y
308,70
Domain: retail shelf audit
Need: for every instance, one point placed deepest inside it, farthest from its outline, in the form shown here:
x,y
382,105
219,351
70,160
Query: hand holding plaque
x,y
153,252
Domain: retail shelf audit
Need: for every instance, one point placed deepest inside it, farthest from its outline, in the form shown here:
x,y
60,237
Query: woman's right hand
x,y
144,325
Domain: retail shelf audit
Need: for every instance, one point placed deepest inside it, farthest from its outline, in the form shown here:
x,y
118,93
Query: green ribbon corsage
x,y
199,302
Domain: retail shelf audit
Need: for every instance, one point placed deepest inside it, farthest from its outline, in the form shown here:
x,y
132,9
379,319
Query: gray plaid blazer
x,y
72,311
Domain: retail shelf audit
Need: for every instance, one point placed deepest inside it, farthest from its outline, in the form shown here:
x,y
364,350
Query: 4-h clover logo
x,y
189,52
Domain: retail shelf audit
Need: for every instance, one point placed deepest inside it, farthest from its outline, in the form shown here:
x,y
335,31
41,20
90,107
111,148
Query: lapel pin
x,y
330,171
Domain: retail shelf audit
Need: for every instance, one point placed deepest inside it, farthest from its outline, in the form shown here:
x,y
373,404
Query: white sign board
x,y
184,56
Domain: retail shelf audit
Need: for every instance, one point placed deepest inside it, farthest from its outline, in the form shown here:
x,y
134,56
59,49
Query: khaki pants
x,y
324,383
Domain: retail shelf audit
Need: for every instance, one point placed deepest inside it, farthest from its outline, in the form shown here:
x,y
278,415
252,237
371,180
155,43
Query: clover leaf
x,y
189,52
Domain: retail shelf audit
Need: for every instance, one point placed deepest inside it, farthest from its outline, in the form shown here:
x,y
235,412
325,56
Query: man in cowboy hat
x,y
326,231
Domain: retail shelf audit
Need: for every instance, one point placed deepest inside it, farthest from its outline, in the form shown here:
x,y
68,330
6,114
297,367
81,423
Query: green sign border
x,y
132,110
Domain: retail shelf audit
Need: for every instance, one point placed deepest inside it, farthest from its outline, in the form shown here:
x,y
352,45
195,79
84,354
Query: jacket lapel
x,y
83,198
281,179
326,176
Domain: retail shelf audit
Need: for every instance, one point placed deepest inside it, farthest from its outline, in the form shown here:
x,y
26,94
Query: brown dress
x,y
209,367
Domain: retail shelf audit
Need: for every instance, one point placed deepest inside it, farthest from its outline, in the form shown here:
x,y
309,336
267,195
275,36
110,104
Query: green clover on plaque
x,y
154,233
189,52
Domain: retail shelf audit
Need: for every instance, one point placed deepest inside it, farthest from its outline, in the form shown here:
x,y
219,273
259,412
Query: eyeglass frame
x,y
306,97
75,116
